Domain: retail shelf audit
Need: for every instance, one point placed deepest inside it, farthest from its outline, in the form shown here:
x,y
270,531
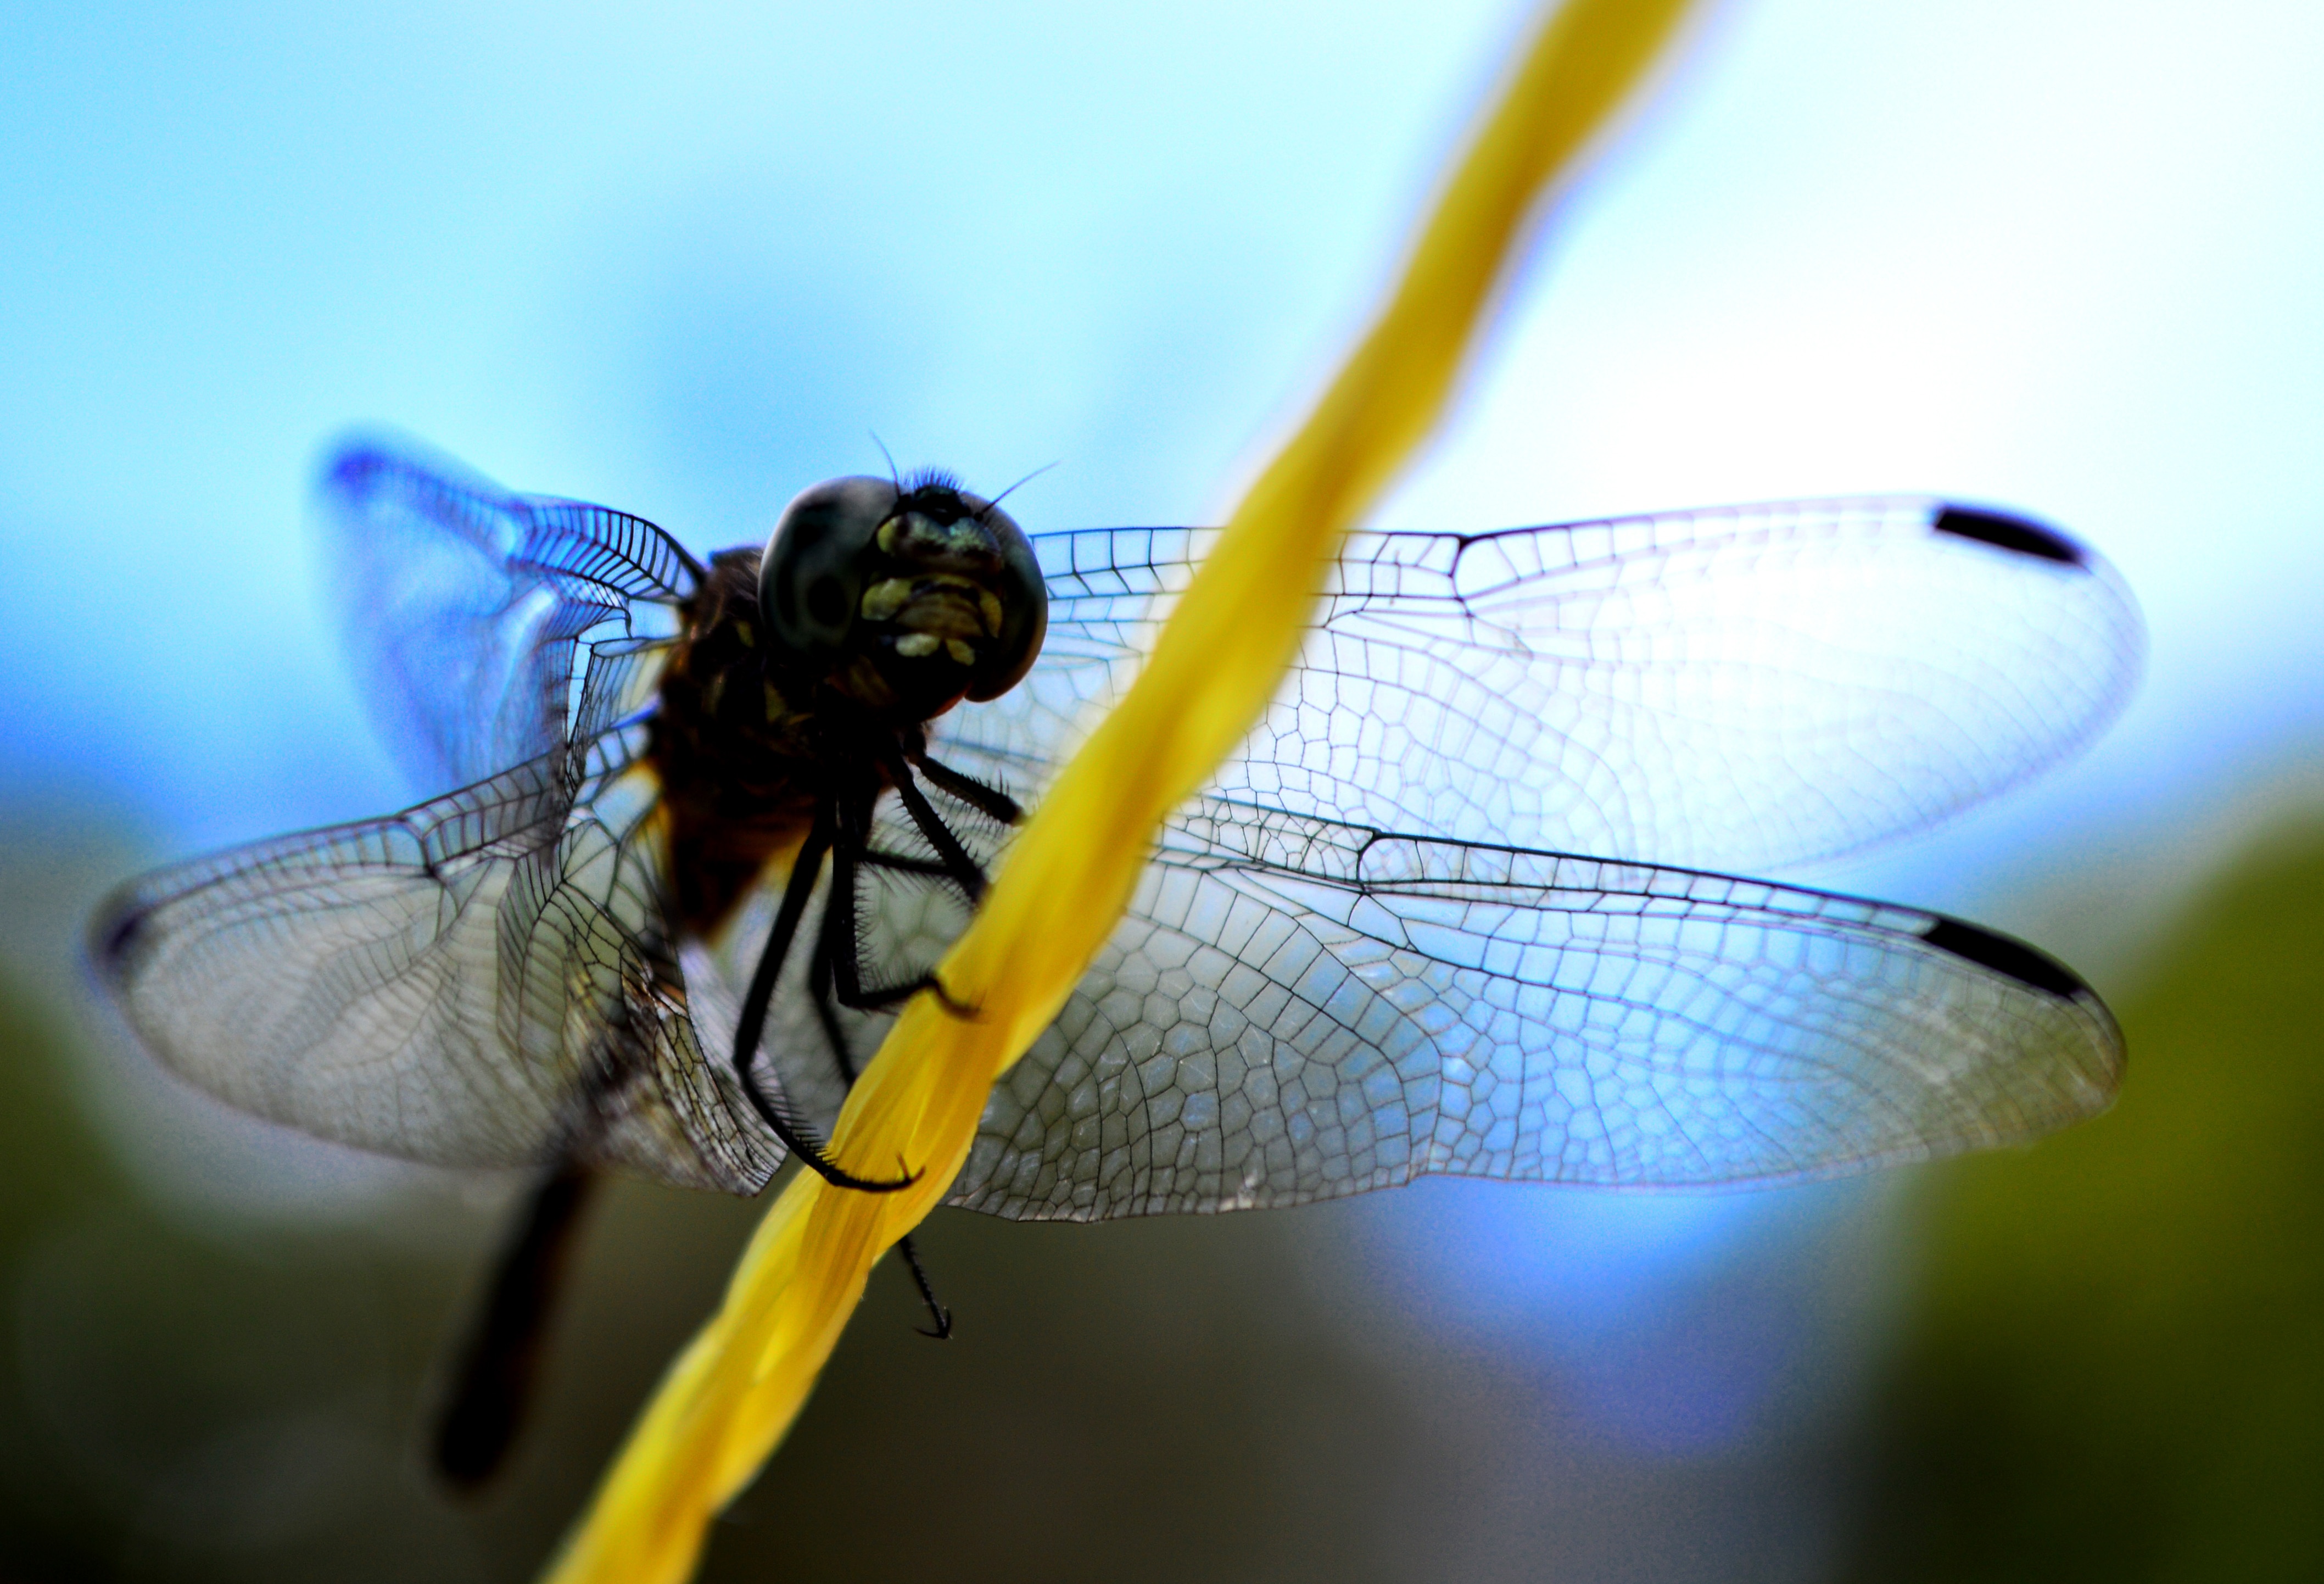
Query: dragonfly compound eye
x,y
818,559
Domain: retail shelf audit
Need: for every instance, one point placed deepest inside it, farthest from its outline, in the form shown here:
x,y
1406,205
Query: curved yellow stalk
x,y
736,1390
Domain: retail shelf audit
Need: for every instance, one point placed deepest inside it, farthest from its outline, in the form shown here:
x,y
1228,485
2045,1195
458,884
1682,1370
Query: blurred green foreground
x,y
2112,1365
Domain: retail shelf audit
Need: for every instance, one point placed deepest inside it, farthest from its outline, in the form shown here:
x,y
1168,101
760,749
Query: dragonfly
x,y
1463,902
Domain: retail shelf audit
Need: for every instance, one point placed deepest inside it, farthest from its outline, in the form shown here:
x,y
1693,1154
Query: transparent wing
x,y
484,981
467,608
1740,687
1296,1009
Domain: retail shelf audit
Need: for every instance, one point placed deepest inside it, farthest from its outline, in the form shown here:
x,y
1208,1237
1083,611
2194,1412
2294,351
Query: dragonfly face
x,y
802,674
910,599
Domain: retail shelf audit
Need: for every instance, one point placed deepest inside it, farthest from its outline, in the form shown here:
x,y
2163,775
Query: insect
x,y
699,827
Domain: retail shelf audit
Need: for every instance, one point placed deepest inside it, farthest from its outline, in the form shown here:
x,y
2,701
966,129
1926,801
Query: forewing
x,y
483,980
1296,1009
467,608
1741,686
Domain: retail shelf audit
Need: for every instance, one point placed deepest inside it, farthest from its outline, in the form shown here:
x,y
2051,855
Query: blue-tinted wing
x,y
1734,688
466,607
485,979
1296,1010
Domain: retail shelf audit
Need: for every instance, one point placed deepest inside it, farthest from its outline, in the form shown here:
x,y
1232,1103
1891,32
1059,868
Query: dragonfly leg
x,y
975,793
862,1000
838,926
965,872
752,1024
838,969
841,947
872,858
850,992
819,978
937,1311
841,961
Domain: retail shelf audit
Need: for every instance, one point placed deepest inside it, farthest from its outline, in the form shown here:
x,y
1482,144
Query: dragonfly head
x,y
914,597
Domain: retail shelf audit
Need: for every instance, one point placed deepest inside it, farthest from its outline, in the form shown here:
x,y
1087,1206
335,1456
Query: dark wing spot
x,y
2012,534
2004,956
119,939
352,465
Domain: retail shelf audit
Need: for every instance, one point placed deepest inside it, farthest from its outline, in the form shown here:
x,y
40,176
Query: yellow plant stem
x,y
732,1394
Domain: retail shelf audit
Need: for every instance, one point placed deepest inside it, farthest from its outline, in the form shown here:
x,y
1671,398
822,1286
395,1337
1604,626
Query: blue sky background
x,y
2059,256
2053,256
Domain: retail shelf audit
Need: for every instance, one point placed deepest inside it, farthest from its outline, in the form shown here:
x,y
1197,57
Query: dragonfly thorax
x,y
906,600
748,736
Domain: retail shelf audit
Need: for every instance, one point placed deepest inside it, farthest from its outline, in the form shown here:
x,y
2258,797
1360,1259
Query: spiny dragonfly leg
x,y
752,1024
843,948
847,970
975,793
965,872
937,1311
838,925
827,1014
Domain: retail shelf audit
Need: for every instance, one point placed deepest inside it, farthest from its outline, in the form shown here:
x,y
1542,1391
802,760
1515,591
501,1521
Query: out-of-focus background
x,y
2059,256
